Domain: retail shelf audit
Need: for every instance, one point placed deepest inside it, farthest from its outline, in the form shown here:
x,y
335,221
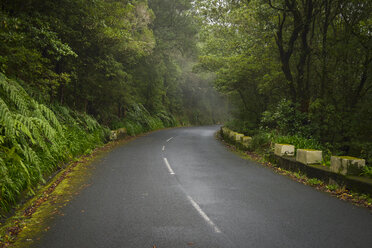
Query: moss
x,y
309,150
34,227
52,204
349,158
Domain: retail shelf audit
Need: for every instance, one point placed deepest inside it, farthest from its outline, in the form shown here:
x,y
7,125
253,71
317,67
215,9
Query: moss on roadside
x,y
33,218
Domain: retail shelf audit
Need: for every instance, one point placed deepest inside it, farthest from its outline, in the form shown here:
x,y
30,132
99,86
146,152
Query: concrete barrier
x,y
118,134
284,150
238,138
308,161
309,156
347,165
357,183
245,140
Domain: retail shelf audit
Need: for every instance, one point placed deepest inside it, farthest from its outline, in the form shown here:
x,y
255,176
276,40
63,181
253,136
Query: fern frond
x,y
14,95
50,116
6,119
22,123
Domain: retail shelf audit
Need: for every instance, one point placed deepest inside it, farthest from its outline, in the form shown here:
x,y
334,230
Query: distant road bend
x,y
182,188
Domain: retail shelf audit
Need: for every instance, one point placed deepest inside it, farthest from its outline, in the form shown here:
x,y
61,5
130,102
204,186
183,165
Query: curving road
x,y
182,188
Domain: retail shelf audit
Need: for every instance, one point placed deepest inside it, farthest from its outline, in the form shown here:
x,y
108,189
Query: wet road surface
x,y
182,188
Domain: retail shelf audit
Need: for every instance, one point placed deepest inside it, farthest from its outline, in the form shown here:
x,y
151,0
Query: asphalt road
x,y
213,199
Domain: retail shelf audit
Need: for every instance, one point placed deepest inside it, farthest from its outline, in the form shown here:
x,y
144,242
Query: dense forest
x,y
296,71
287,70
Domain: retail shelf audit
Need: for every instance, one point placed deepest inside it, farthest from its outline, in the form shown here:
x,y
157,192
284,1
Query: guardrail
x,y
343,171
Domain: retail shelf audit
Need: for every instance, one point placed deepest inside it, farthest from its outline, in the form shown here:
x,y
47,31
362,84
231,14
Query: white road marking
x,y
169,139
168,166
163,148
204,215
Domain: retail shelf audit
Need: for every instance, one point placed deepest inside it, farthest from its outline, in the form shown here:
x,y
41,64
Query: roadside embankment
x,y
343,172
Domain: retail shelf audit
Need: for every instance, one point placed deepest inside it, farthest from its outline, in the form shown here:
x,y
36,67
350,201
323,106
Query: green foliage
x,y
260,142
332,187
314,181
286,119
242,126
139,120
35,139
301,68
367,171
104,57
298,141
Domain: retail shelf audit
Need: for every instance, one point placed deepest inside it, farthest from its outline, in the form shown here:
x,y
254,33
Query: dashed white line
x,y
163,148
169,139
204,215
168,166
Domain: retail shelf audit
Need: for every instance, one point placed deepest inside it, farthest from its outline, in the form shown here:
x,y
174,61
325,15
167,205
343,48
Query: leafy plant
x,y
314,181
260,142
332,187
367,171
34,139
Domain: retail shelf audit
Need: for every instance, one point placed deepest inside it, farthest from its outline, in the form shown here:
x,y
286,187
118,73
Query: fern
x,y
6,119
35,138
50,116
15,95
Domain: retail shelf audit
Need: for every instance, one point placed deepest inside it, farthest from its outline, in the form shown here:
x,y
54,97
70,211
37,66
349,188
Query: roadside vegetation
x,y
341,192
298,72
36,140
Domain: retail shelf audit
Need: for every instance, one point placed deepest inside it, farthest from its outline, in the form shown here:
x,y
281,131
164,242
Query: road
x,y
182,188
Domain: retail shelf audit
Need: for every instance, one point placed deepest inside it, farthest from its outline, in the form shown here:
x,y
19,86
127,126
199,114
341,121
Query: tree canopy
x,y
299,67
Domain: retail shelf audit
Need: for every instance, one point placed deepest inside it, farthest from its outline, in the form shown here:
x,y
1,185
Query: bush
x,y
34,139
245,127
260,142
287,119
367,171
139,120
298,141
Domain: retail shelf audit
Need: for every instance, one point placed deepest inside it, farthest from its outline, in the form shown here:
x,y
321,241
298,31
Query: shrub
x,y
260,142
287,119
298,141
314,181
34,139
367,171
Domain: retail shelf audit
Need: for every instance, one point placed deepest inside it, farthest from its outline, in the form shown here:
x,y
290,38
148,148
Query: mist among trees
x,y
295,68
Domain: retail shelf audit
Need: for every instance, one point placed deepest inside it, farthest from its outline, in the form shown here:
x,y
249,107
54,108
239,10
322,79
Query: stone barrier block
x,y
121,133
225,131
308,156
284,150
118,133
347,165
238,136
245,140
231,134
113,135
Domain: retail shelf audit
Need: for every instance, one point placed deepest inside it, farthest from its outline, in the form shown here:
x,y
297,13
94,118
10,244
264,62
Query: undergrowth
x,y
35,140
139,120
